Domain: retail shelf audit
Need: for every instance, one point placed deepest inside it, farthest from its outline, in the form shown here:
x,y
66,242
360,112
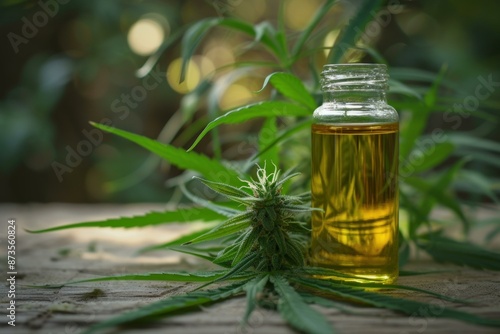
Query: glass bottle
x,y
355,143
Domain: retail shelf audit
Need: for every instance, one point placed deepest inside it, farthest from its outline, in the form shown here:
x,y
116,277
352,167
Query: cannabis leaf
x,y
171,304
150,218
264,251
296,311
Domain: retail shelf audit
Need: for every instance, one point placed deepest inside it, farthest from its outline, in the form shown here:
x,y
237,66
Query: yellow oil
x,y
354,182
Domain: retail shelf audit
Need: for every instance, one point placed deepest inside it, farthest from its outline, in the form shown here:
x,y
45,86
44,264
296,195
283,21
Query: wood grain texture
x,y
86,253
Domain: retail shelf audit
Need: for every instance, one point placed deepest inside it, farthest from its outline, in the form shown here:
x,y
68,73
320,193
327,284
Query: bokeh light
x,y
251,11
205,65
146,35
330,39
191,80
298,13
219,53
235,96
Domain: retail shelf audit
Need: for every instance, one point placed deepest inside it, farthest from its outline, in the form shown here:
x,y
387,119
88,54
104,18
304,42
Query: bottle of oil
x,y
354,174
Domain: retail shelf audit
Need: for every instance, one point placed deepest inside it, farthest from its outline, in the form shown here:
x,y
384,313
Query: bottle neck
x,y
353,86
360,97
354,93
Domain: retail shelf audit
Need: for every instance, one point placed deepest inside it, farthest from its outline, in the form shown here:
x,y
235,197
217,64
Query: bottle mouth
x,y
355,76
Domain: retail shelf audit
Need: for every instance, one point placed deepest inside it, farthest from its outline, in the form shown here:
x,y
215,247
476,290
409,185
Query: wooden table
x,y
86,253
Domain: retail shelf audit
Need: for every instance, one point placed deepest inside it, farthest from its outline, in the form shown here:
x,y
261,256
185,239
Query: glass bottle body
x,y
354,175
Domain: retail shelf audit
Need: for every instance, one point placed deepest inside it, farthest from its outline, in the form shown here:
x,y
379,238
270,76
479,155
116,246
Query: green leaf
x,y
281,38
461,139
438,190
296,312
326,272
299,228
164,276
432,157
478,183
238,269
416,214
415,273
431,97
413,128
397,87
151,218
366,285
197,31
265,32
492,234
246,245
304,35
227,255
313,299
285,134
222,210
227,227
375,55
351,33
261,109
266,38
177,242
291,87
287,176
443,249
192,39
418,75
266,136
253,288
153,59
378,299
172,304
295,253
211,169
201,254
224,189
404,250
174,128
282,47
279,237
299,208
478,155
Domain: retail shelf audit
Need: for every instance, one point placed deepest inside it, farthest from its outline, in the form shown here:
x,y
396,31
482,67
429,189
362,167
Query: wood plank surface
x,y
86,253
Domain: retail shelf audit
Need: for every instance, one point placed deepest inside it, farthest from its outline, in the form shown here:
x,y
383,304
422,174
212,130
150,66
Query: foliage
x,y
263,246
265,256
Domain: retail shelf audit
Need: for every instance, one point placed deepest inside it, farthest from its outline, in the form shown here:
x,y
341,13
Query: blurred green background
x,y
68,62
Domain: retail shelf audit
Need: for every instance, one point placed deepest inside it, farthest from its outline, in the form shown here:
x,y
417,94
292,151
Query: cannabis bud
x,y
267,235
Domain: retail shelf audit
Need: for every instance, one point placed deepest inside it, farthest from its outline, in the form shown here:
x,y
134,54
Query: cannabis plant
x,y
269,237
443,168
261,240
266,256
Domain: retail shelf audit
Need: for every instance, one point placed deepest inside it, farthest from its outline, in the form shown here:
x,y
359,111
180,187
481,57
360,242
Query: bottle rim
x,y
354,76
356,65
